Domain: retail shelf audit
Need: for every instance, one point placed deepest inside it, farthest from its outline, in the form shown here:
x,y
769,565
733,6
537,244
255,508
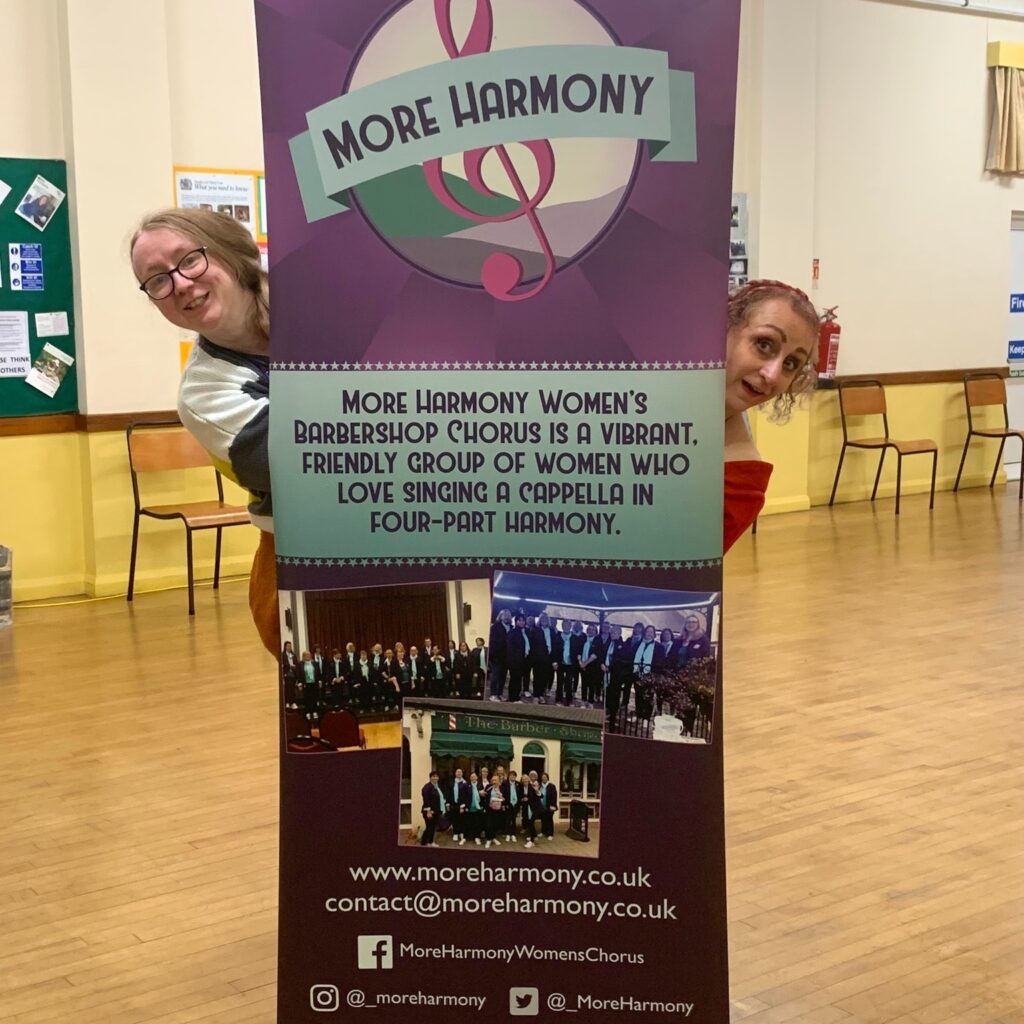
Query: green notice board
x,y
35,278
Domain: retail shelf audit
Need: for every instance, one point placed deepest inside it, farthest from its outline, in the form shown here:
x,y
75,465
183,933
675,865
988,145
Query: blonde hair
x,y
229,242
702,621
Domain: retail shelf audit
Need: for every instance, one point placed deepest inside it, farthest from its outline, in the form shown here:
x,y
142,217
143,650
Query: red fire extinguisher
x,y
828,344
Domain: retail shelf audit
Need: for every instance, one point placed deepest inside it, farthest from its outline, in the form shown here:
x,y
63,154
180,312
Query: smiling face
x,y
765,354
214,305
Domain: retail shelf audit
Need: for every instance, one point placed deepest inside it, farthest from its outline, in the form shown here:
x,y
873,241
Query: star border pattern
x,y
435,364
577,563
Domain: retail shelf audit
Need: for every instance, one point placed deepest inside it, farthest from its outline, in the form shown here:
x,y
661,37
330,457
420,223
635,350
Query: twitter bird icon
x,y
523,1002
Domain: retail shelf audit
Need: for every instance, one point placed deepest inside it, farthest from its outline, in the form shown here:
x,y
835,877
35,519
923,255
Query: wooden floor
x,y
874,745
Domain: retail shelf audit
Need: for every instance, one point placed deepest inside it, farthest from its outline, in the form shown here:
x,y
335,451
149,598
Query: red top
x,y
745,484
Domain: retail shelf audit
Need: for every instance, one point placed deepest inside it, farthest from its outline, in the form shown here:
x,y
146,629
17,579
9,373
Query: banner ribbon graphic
x,y
489,99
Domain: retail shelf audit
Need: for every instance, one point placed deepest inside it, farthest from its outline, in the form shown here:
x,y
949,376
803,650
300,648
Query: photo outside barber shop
x,y
523,777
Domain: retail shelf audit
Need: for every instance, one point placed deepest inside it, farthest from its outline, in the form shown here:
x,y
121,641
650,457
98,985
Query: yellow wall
x,y
41,514
70,522
805,451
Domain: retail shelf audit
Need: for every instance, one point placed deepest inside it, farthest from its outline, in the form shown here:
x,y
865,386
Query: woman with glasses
x,y
202,271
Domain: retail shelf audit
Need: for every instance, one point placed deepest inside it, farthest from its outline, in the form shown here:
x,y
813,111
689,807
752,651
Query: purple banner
x,y
506,356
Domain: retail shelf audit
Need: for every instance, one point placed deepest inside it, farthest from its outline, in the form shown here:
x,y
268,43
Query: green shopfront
x,y
444,735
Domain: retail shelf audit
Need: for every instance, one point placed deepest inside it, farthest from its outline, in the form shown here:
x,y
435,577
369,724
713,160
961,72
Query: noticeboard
x,y
38,374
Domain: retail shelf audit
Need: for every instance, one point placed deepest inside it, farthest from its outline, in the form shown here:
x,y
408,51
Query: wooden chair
x,y
154,447
341,729
987,389
867,398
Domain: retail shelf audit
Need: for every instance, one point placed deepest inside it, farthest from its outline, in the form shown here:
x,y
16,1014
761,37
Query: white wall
x,y
872,120
477,593
215,90
30,120
124,90
861,134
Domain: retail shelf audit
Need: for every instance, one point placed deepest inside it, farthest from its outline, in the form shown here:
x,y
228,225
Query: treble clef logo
x,y
501,272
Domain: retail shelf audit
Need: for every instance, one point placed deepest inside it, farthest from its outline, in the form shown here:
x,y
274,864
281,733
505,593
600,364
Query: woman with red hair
x,y
771,351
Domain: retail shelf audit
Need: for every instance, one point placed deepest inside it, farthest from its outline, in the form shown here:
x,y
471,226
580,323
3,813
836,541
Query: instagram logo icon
x,y
324,998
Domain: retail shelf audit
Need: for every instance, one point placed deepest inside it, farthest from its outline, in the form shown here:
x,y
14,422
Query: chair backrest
x,y
157,445
340,728
862,398
153,447
984,389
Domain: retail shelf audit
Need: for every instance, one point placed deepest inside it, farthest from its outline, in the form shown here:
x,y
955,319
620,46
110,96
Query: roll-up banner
x,y
499,277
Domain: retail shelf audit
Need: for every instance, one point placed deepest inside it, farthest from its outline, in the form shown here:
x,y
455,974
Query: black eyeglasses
x,y
192,265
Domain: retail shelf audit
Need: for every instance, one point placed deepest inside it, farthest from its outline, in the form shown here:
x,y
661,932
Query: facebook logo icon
x,y
376,952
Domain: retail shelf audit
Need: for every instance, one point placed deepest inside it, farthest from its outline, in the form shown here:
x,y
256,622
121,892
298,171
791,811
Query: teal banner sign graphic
x,y
485,100
591,464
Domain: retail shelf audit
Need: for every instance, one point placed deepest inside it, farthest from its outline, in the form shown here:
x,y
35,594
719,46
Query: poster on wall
x,y
230,192
40,202
25,262
261,207
15,355
496,450
49,370
739,256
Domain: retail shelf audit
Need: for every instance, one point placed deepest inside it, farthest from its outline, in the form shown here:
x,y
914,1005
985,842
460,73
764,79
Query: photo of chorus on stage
x,y
372,679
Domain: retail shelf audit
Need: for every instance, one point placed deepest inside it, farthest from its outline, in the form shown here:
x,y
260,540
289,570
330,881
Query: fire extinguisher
x,y
828,344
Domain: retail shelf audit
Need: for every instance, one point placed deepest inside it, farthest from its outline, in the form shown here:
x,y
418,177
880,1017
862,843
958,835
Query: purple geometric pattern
x,y
651,289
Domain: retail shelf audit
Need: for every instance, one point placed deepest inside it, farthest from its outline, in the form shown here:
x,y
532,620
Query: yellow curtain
x,y
1006,139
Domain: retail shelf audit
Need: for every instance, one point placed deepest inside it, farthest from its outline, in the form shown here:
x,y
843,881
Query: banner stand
x,y
499,282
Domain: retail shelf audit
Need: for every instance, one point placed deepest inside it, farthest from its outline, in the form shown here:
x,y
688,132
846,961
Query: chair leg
x,y
963,459
216,562
878,476
839,469
899,475
935,467
999,455
188,559
131,564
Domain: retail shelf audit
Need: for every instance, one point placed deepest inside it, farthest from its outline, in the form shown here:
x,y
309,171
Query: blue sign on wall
x,y
1017,302
1015,350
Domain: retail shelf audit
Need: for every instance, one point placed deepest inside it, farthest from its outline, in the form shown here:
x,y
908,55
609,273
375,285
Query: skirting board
x,y
112,584
920,485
